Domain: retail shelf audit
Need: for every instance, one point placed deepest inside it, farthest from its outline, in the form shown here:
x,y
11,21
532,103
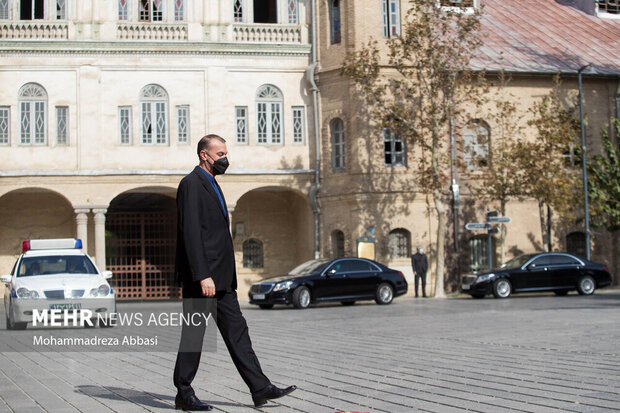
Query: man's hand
x,y
208,287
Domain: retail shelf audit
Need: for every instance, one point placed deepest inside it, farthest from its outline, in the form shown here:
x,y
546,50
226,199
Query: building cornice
x,y
112,172
90,48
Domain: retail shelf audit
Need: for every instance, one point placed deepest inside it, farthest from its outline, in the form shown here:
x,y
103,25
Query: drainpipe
x,y
455,187
583,163
315,113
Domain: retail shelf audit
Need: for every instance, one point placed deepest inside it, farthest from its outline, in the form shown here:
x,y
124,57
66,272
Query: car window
x,y
309,267
60,264
542,261
357,265
564,260
337,268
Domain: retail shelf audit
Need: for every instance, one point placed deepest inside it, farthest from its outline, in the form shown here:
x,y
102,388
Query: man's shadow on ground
x,y
136,396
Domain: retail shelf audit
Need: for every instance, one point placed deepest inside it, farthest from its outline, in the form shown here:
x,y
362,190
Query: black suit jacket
x,y
419,263
204,244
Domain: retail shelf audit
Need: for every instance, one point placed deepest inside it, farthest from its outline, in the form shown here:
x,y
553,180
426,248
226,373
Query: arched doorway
x,y
32,213
140,244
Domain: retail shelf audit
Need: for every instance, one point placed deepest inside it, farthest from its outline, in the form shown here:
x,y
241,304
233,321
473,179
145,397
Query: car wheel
x,y
384,294
348,302
266,306
477,296
502,288
301,297
586,285
561,293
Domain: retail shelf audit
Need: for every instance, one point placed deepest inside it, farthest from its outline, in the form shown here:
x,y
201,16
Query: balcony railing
x,y
148,31
267,33
33,30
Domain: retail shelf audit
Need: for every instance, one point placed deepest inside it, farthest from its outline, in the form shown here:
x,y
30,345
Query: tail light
x,y
606,268
401,274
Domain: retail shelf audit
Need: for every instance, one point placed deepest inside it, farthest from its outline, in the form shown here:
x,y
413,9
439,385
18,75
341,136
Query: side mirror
x,y
107,274
5,278
531,267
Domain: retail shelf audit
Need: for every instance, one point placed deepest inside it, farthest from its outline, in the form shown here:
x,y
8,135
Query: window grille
x,y
151,10
269,114
4,9
61,10
476,140
124,119
5,122
609,6
334,19
179,10
154,104
299,124
337,135
252,254
393,148
62,120
399,241
33,114
241,124
183,124
293,11
478,253
238,11
123,10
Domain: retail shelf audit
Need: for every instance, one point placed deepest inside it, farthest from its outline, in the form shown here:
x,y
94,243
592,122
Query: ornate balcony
x,y
267,33
33,30
148,31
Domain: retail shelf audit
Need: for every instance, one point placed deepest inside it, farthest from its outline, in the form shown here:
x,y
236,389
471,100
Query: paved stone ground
x,y
528,353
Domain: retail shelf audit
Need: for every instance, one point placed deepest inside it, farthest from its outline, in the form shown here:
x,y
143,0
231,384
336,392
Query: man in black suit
x,y
420,266
205,267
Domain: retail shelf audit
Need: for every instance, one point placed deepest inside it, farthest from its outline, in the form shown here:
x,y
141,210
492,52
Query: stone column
x,y
100,237
81,220
231,209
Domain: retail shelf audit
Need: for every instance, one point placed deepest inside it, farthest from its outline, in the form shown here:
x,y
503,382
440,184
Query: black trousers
x,y
422,277
234,331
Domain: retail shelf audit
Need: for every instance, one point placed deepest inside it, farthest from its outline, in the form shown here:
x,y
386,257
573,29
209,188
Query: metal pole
x,y
583,163
490,247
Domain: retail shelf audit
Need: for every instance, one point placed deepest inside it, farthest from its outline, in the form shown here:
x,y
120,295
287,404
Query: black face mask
x,y
220,166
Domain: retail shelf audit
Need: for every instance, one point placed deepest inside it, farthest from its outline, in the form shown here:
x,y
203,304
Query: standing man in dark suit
x,y
420,266
205,267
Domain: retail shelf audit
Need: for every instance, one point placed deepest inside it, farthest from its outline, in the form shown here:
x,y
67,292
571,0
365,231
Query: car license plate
x,y
465,286
258,296
66,306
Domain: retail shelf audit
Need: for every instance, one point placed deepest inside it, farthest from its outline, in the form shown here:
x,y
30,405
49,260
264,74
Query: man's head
x,y
212,153
420,249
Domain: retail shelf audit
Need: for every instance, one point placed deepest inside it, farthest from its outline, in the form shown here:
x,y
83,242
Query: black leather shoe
x,y
191,403
271,392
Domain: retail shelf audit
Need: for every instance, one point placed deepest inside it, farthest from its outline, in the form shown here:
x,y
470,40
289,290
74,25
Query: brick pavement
x,y
528,353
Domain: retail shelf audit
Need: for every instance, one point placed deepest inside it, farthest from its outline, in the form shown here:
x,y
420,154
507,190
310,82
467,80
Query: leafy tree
x,y
604,184
551,180
415,89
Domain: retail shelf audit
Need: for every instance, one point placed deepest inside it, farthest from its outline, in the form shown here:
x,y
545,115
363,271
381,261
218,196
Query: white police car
x,y
54,278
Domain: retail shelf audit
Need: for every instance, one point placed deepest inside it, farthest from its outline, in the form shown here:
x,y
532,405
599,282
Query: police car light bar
x,y
52,244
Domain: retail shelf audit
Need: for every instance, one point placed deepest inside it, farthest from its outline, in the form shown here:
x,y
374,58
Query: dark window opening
x,y
265,11
26,11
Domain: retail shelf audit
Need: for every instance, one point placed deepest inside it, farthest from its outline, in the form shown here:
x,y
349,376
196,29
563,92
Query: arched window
x,y
476,138
269,114
576,243
338,244
154,106
252,253
33,114
399,243
478,253
337,133
334,21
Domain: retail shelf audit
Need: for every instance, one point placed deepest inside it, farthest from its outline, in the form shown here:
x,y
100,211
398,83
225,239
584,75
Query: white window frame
x,y
62,121
162,11
124,12
180,11
5,11
154,104
337,138
5,125
183,126
390,18
292,13
125,137
299,124
389,137
239,12
32,103
473,146
61,10
269,103
241,125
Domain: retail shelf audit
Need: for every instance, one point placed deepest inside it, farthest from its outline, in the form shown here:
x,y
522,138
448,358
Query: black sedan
x,y
343,279
556,271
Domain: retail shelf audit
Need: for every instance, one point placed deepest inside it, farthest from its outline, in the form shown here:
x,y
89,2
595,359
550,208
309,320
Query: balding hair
x,y
205,142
